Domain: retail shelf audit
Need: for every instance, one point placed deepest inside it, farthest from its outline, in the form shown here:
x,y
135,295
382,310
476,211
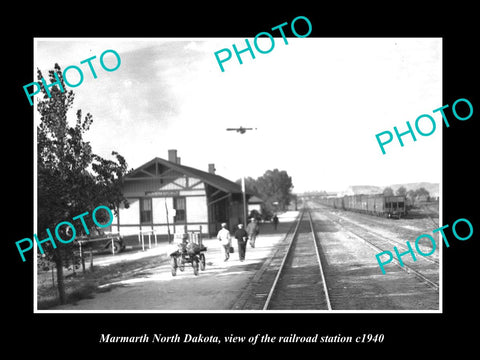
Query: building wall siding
x,y
197,209
192,192
131,215
162,188
138,188
196,206
159,211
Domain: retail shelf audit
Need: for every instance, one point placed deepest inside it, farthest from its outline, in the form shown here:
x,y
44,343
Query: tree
x,y
411,194
422,192
250,185
71,178
388,191
273,187
414,195
401,191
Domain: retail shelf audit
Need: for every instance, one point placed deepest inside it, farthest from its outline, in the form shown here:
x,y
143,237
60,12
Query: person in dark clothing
x,y
242,237
275,221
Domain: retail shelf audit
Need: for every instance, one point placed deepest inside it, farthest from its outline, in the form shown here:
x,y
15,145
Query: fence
x,y
81,244
193,236
141,238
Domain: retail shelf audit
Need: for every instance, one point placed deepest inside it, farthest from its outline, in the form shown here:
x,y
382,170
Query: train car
x,y
347,202
352,203
379,205
372,204
395,206
331,202
356,203
338,203
362,205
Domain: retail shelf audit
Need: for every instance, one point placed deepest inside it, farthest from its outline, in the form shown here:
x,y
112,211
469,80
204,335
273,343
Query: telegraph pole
x,y
242,130
244,197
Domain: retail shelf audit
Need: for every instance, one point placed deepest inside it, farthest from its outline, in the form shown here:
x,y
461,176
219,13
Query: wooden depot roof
x,y
214,180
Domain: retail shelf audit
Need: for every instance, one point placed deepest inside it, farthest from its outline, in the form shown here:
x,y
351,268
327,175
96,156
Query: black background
x,y
406,334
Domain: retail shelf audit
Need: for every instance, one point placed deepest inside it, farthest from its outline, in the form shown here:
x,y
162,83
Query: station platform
x,y
218,288
161,248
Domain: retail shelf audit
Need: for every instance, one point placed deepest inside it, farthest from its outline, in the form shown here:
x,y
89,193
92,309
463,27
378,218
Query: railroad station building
x,y
255,203
167,197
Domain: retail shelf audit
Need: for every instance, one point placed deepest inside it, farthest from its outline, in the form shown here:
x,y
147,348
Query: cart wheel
x,y
202,262
173,264
116,247
195,266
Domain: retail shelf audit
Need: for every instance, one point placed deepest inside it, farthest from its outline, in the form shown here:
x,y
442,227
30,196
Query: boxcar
x,y
363,203
338,203
395,206
371,204
380,205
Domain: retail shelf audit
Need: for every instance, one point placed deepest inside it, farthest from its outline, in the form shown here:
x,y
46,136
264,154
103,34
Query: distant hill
x,y
362,189
432,188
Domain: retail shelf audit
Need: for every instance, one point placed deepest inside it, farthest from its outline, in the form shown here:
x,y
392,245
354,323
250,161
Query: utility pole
x,y
242,130
244,197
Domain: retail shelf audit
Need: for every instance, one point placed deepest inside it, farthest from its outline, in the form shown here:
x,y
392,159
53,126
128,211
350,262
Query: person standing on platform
x,y
275,221
242,236
224,237
252,230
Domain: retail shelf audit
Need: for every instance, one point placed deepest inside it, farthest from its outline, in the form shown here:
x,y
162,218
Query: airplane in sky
x,y
241,129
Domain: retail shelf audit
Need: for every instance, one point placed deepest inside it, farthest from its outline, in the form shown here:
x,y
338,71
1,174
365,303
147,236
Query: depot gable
x,y
164,193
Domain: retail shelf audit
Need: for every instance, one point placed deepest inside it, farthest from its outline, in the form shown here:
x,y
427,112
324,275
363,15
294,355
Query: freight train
x,y
380,205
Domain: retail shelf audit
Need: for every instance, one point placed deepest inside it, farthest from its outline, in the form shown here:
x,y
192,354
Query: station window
x,y
179,204
146,211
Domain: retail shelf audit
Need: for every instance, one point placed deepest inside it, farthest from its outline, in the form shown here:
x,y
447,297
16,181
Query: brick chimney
x,y
172,156
211,168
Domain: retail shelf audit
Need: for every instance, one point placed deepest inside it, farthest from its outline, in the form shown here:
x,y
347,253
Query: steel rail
x,y
405,267
287,254
317,250
274,285
373,232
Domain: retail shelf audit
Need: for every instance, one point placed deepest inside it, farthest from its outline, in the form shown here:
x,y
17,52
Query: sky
x,y
316,105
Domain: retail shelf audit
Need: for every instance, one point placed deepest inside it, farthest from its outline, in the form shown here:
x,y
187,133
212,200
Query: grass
x,y
84,285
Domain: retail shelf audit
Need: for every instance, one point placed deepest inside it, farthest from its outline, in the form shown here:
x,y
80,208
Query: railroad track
x,y
300,281
380,243
369,227
293,278
365,229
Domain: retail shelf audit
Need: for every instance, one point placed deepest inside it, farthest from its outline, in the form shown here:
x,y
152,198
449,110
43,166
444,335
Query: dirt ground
x,y
353,276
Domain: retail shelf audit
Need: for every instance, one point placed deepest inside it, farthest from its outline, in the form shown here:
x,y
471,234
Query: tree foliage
x,y
273,187
414,195
388,191
71,178
411,194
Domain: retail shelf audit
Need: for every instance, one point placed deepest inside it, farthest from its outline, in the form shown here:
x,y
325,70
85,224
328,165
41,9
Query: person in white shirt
x,y
225,239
